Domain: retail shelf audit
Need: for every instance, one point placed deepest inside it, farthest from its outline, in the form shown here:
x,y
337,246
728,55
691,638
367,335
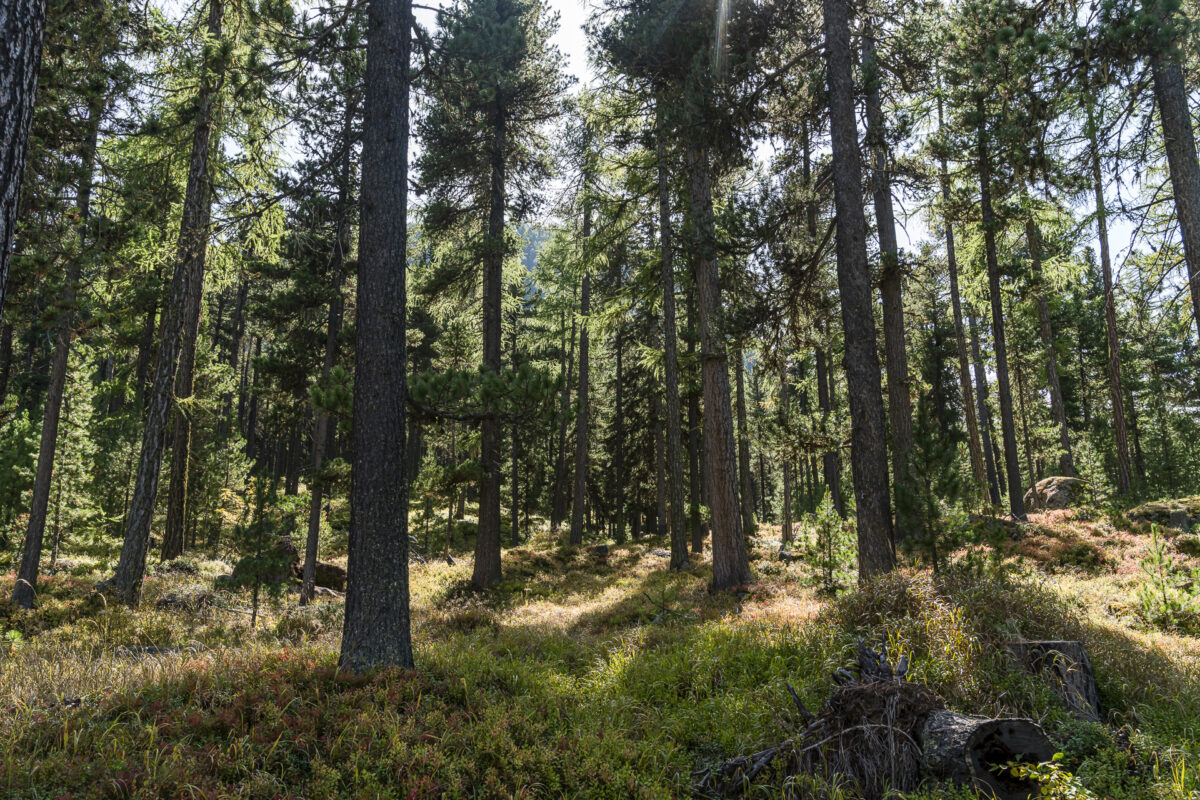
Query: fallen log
x,y
878,734
1069,670
970,751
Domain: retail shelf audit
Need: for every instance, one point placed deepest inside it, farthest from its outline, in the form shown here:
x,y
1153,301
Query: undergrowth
x,y
580,676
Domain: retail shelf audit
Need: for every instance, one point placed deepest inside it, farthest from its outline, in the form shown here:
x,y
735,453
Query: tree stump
x,y
1069,669
967,750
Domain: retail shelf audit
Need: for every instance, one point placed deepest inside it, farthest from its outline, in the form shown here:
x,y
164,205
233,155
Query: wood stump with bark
x,y
969,751
1069,670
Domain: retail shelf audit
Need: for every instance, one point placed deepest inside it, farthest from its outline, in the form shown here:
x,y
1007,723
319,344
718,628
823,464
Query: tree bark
x,y
731,565
619,435
487,541
1171,96
674,451
22,25
26,585
830,469
1066,460
1116,394
743,442
376,631
186,286
964,374
967,750
785,409
695,499
868,454
891,280
515,533
581,412
1012,462
6,356
316,484
985,416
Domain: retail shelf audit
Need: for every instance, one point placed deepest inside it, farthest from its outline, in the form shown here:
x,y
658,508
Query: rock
x,y
660,552
1056,492
599,552
1169,512
331,576
321,591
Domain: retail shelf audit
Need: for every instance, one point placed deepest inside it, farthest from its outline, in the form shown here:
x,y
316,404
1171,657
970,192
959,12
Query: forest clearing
x,y
600,398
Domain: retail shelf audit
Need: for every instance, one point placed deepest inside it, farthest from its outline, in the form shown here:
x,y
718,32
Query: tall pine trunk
x,y
785,409
487,541
674,453
1116,394
830,468
1066,460
26,586
960,340
1016,502
731,566
321,432
868,453
1171,96
890,279
581,412
743,442
376,631
695,492
186,286
22,25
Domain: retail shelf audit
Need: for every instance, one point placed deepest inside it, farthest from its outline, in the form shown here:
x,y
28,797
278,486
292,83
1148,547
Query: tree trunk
x,y
1066,461
1116,394
743,442
785,409
967,750
964,374
985,416
316,484
1171,96
186,284
6,354
515,533
891,280
731,566
674,448
559,509
868,454
376,631
660,467
619,439
487,540
181,441
830,469
22,24
694,479
1012,463
26,585
581,414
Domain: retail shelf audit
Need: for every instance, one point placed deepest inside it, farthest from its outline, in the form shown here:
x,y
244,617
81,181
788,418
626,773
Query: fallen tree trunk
x,y
968,750
878,734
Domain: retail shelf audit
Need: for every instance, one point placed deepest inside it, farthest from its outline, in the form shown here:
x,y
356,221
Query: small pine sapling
x,y
933,489
266,563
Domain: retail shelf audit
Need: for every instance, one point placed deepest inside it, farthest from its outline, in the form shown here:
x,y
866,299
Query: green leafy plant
x,y
1054,782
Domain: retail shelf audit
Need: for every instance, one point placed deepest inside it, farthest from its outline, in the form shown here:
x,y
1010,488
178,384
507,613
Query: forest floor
x,y
585,675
